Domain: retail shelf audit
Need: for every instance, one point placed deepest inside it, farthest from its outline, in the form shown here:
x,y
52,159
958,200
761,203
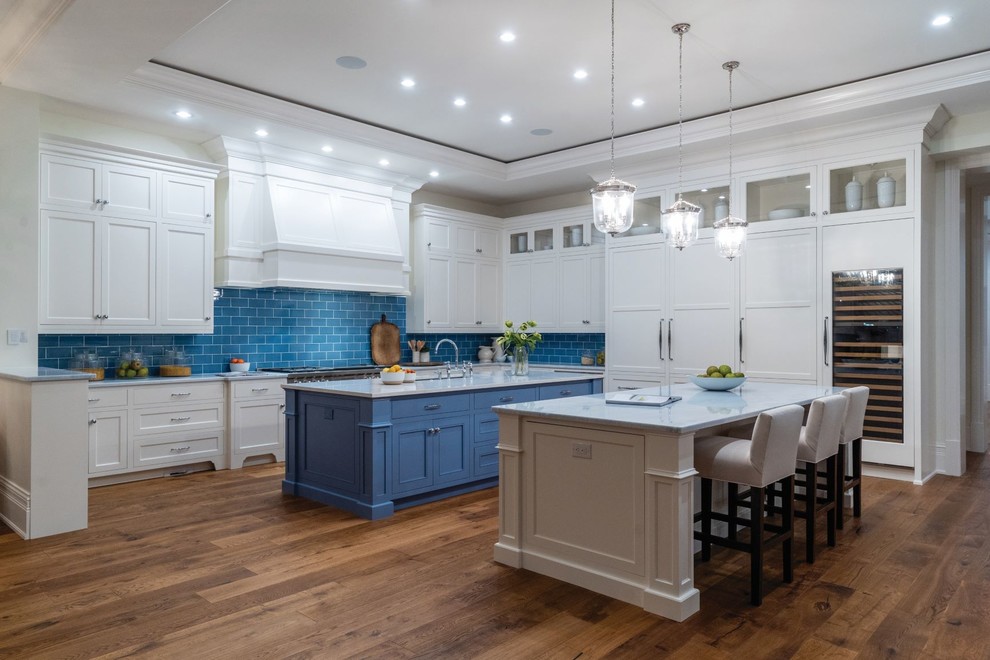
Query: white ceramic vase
x,y
886,191
854,195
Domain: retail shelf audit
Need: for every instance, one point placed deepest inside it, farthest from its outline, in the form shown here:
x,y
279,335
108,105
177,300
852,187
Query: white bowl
x,y
410,377
393,377
783,214
240,366
717,384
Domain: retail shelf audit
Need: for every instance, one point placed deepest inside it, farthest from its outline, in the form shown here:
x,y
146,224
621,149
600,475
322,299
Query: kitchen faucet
x,y
457,352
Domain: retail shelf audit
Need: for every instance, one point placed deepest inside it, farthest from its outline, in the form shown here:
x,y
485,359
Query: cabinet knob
x,y
813,214
208,318
477,322
281,406
92,421
428,322
530,250
824,212
478,250
209,215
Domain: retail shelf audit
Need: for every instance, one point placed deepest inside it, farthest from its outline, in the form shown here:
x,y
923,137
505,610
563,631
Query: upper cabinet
x,y
872,187
780,195
126,243
456,269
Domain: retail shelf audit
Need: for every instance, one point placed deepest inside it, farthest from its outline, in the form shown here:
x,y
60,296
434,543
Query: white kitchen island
x,y
602,495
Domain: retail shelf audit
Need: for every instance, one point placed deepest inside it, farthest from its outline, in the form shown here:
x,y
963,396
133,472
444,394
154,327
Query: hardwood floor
x,y
221,565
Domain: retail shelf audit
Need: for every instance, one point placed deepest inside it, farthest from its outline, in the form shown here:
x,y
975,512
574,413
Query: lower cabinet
x,y
256,424
372,456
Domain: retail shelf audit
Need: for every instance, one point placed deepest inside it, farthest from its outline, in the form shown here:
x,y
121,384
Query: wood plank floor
x,y
221,565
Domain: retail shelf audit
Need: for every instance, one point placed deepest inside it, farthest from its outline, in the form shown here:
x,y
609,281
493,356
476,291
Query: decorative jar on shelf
x,y
854,195
886,188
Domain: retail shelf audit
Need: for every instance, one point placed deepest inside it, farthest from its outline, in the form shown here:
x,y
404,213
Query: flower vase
x,y
520,361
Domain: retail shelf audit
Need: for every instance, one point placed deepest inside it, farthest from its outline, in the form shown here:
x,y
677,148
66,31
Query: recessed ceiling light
x,y
383,162
408,82
721,196
261,132
460,102
434,173
351,62
506,119
183,114
808,187
326,148
540,131
638,103
704,190
580,74
507,36
942,19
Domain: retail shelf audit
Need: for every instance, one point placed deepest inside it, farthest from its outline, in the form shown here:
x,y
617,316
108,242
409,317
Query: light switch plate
x,y
13,337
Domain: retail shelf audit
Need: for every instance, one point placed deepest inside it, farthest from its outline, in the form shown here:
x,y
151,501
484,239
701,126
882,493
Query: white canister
x,y
721,209
577,236
886,189
415,357
521,243
485,354
854,195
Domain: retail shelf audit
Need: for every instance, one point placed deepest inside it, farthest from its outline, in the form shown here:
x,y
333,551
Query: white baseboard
x,y
15,507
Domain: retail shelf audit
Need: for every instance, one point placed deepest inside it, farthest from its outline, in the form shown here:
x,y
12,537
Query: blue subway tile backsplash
x,y
293,327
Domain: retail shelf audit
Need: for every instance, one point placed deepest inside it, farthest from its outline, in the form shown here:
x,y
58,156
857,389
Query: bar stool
x,y
818,445
852,438
767,458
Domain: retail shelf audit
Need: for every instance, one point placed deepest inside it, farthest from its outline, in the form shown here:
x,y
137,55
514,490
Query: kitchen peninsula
x,y
602,496
370,448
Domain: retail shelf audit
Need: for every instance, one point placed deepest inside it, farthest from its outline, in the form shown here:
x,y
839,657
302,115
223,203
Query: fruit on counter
x,y
237,360
721,371
409,371
394,369
131,369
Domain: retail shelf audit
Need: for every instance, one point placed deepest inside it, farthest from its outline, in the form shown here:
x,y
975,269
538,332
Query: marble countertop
x,y
481,380
38,374
158,380
698,409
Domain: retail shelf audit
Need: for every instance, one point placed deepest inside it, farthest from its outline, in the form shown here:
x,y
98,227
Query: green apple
x,y
725,369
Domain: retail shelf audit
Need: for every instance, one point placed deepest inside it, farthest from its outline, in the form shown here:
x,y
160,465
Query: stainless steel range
x,y
316,374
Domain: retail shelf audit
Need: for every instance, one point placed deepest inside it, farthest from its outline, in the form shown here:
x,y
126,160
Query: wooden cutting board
x,y
385,346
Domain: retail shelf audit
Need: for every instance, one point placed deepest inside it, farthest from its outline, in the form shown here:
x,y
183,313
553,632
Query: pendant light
x,y
681,220
612,200
730,231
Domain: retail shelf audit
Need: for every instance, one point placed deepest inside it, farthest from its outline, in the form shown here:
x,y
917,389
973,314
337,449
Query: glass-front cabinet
x,y
646,218
713,200
779,196
580,234
869,186
526,241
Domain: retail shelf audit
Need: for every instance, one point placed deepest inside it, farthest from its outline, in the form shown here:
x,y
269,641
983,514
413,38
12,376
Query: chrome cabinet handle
x,y
93,400
181,393
506,399
670,338
742,360
181,419
661,338
432,406
825,339
176,450
627,387
566,392
259,389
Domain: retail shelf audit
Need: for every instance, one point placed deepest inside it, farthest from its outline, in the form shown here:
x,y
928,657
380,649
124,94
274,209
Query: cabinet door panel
x,y
335,460
573,293
543,293
412,467
634,339
70,182
187,198
517,292
437,295
465,286
596,292
130,190
256,426
487,294
185,271
779,306
107,441
70,269
453,450
129,272
487,240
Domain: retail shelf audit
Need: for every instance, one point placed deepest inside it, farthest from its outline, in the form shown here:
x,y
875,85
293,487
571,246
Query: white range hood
x,y
285,219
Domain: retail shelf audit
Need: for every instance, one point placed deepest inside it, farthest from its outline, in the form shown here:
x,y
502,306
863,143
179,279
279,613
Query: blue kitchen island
x,y
372,448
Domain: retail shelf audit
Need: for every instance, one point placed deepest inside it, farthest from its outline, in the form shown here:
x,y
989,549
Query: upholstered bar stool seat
x,y
818,449
850,477
766,458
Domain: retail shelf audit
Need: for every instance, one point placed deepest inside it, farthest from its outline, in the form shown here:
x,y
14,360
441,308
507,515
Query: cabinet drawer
x,y
430,405
563,390
107,397
256,389
485,400
177,393
185,418
167,449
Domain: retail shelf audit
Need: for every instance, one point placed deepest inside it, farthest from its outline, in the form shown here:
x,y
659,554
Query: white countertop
x,y
158,380
481,380
35,374
698,409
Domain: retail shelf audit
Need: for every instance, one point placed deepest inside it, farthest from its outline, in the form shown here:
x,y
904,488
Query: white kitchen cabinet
x,y
456,273
775,199
531,292
97,272
98,187
636,297
581,291
108,446
109,260
257,420
867,173
185,262
526,241
187,198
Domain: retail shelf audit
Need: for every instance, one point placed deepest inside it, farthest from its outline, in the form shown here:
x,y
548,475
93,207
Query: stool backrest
x,y
858,397
824,427
773,448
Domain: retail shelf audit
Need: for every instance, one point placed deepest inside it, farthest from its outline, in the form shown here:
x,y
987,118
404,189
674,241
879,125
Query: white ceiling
x,y
242,64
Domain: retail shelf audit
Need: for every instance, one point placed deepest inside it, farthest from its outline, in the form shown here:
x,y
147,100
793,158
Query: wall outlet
x,y
14,336
581,449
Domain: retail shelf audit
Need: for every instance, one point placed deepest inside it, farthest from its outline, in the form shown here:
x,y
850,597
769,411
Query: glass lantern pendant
x,y
730,231
612,200
680,221
612,206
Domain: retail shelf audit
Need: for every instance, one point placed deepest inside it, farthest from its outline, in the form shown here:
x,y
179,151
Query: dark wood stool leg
x,y
787,523
706,519
809,497
831,498
857,470
840,479
733,509
756,503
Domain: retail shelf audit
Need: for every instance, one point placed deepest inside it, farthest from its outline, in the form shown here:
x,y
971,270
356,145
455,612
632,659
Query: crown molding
x,y
23,26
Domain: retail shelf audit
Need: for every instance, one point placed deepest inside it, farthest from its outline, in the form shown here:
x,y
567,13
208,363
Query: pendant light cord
x,y
731,66
612,110
680,29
